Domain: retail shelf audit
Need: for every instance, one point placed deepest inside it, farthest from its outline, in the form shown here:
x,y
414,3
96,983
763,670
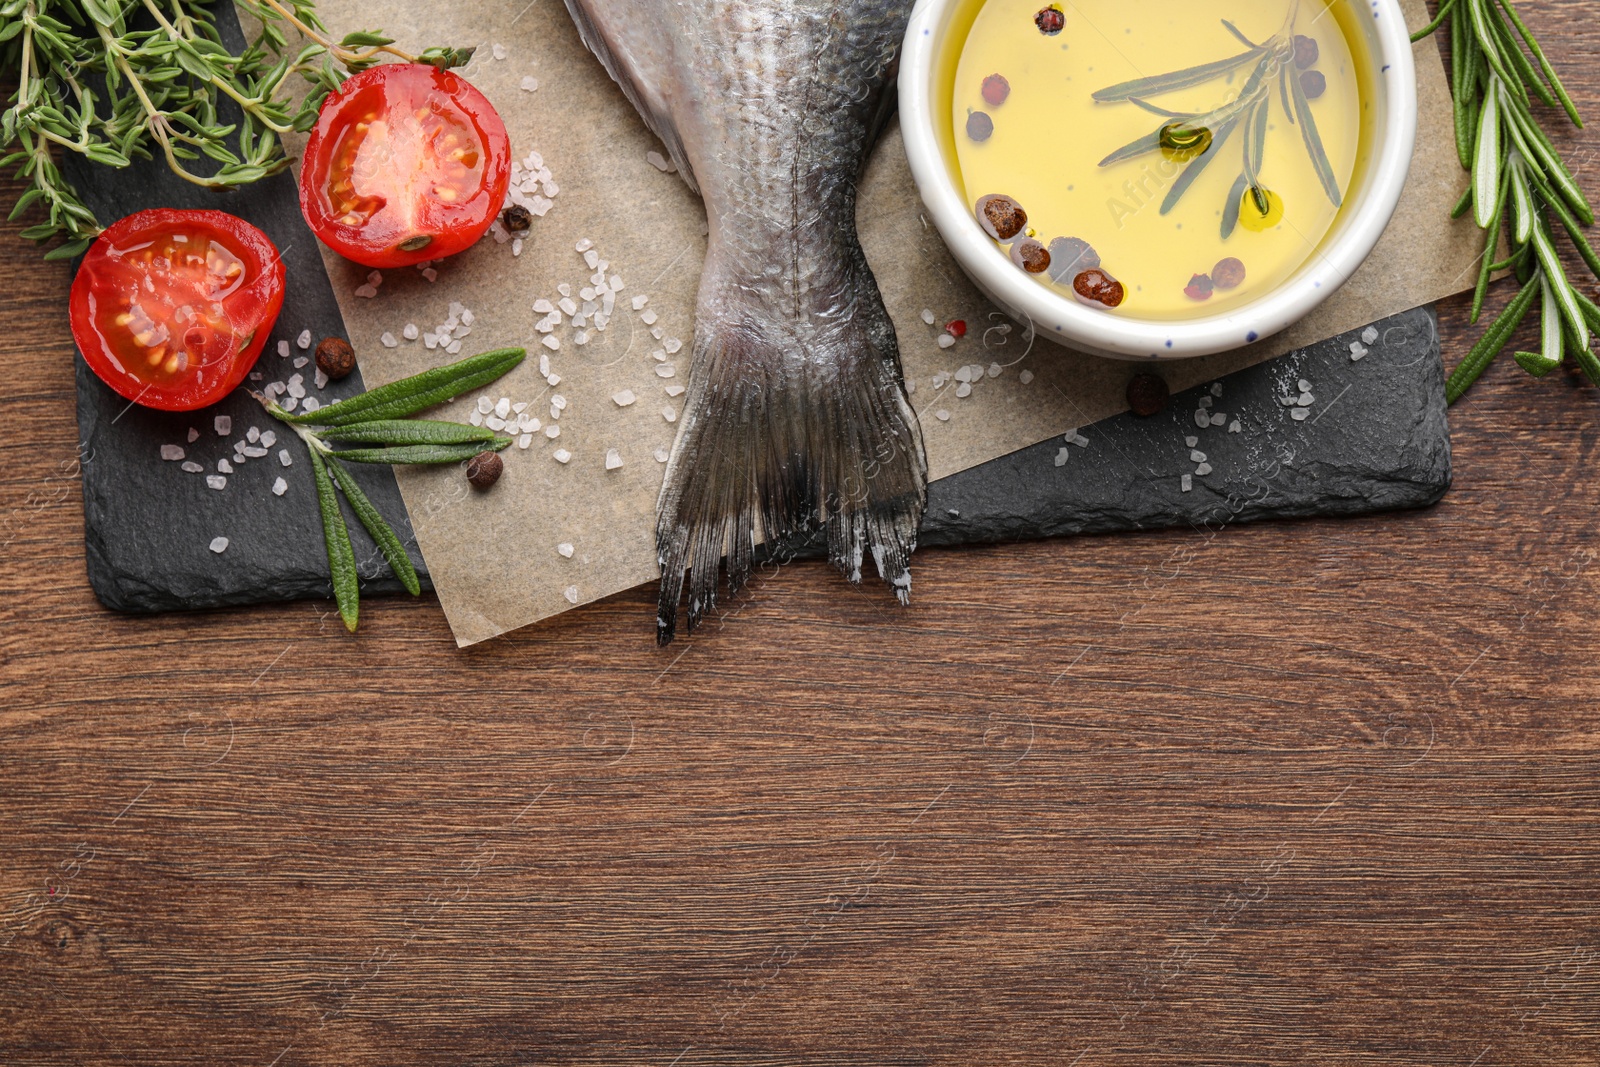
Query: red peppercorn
x,y
1228,273
1030,255
1001,217
1097,288
956,328
980,127
995,90
1050,20
1199,287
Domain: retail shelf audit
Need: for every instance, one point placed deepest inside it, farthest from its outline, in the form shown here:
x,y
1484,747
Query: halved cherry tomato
x,y
171,308
407,162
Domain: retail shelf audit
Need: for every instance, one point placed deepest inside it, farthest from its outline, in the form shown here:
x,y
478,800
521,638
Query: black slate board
x,y
1375,438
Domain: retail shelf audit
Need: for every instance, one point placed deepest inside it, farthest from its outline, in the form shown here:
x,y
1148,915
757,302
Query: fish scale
x,y
796,420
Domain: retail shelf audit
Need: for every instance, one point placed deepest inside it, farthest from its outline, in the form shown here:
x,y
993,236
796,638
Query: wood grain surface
x,y
1322,792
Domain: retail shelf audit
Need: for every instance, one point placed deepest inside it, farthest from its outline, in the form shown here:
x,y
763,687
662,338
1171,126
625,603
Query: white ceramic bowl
x,y
1389,126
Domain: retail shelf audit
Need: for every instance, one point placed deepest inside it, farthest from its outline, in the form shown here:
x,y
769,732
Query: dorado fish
x,y
796,419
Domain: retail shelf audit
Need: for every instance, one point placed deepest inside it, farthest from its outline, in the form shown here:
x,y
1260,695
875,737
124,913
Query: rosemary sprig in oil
x,y
1521,188
1197,137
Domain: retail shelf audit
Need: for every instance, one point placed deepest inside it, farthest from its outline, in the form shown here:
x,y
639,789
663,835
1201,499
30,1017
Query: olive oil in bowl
x,y
1158,159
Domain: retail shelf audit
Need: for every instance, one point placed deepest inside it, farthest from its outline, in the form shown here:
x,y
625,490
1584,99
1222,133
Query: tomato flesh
x,y
171,308
406,163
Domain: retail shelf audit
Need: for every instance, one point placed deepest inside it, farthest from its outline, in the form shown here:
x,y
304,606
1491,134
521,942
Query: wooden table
x,y
1322,792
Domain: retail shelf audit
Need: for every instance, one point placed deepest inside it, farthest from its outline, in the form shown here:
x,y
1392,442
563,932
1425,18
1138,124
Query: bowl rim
x,y
1061,318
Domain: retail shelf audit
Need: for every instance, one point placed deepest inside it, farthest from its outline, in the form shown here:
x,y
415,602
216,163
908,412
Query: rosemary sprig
x,y
377,418
1518,182
1198,136
118,80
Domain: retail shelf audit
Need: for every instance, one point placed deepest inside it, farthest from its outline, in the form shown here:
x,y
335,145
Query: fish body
x,y
795,418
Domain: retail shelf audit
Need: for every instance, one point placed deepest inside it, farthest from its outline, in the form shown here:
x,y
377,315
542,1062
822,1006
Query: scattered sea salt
x,y
1025,377
253,434
1358,351
672,344
994,370
624,398
494,422
223,425
194,435
530,84
430,274
1203,469
1202,417
674,390
366,292
660,162
1306,400
1062,456
304,340
216,481
389,340
1234,427
927,316
669,414
320,378
665,370
942,415
171,453
310,404
192,467
219,545
571,594
1216,388
283,349
1191,441
409,332
561,455
301,361
648,318
964,390
279,487
1305,386
565,548
613,459
284,457
224,467
524,440
1196,456
1186,483
639,301
945,341
1299,414
498,50
1370,335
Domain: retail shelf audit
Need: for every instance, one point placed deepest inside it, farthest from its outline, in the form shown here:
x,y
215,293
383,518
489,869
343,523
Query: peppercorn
x,y
1050,20
335,357
956,328
516,218
483,470
1097,288
995,90
980,126
1030,255
1069,256
1228,273
1001,217
1199,287
1306,50
1313,84
1147,394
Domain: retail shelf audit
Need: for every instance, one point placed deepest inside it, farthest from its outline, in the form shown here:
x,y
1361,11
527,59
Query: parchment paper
x,y
494,556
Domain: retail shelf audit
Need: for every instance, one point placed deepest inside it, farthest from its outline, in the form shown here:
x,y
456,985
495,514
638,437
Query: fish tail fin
x,y
787,431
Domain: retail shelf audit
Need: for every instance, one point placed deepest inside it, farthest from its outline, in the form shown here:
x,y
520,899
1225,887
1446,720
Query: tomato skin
x,y
406,163
122,305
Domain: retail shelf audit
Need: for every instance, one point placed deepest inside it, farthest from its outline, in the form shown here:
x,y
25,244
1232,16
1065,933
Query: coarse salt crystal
x,y
1206,402
1370,335
613,459
389,340
524,440
665,370
660,162
430,341
543,306
495,422
616,283
927,316
659,356
283,349
224,467
252,452
1358,351
581,337
502,407
320,378
194,434
284,457
192,467
301,361
304,340
366,292
964,389
657,332
1218,418
171,453
253,434
476,418
1299,414
963,374
530,84
565,548
551,341
591,259
288,403
674,389
552,380
430,274
219,545
571,594
583,245
1025,377
561,455
640,301
945,340
1191,441
1305,400
942,415
223,425
216,481
1186,483
672,344
1196,456
1062,456
994,370
624,398
568,306
279,487
669,414
498,50
1305,386
911,386
310,404
648,318
1202,417
662,455
1234,427
1203,469
1216,388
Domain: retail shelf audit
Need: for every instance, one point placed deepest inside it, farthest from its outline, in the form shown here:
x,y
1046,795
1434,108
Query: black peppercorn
x,y
516,218
1147,394
483,470
336,358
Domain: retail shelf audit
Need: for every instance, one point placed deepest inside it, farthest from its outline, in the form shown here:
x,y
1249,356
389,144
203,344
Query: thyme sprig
x,y
1521,188
1197,136
118,80
378,419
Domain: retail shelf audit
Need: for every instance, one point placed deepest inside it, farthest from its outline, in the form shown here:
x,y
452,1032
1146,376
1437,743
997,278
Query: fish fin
x,y
782,444
649,105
